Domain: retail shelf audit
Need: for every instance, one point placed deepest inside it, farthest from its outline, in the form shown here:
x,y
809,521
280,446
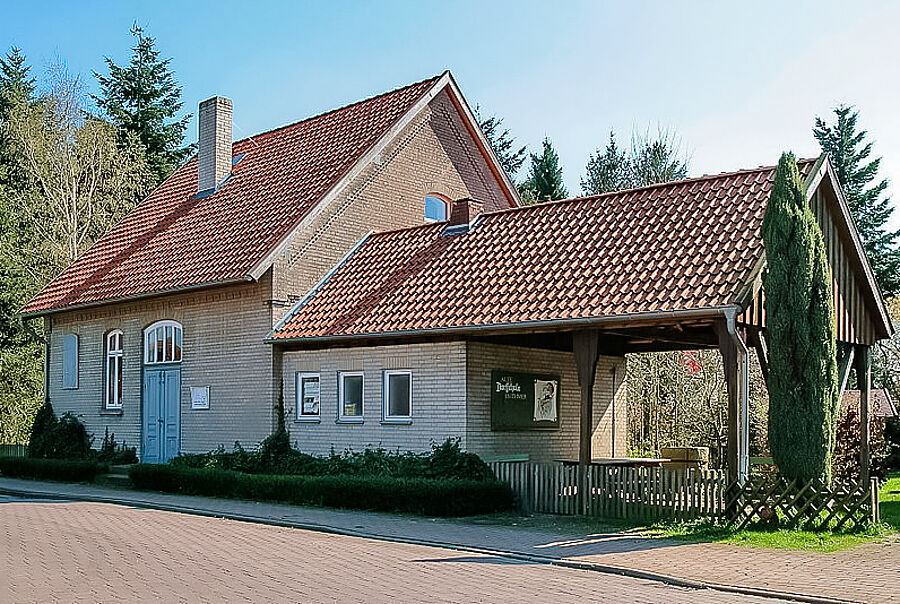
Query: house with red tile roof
x,y
157,332
511,326
370,273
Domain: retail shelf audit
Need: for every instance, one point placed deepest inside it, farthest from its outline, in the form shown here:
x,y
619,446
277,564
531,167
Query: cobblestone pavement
x,y
97,552
868,573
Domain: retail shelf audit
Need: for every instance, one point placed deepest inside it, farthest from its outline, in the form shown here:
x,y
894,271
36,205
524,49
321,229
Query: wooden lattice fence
x,y
770,501
615,492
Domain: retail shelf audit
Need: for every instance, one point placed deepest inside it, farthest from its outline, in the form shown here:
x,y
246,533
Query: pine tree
x,y
545,177
15,85
871,210
503,144
607,170
802,384
648,161
143,98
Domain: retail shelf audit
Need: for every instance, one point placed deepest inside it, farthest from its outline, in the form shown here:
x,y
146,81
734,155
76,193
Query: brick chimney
x,y
214,153
465,210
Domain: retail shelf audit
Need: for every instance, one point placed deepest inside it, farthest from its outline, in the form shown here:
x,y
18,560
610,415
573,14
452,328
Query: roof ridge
x,y
657,185
341,108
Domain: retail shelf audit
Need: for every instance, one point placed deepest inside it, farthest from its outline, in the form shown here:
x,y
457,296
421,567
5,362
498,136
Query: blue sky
x,y
738,82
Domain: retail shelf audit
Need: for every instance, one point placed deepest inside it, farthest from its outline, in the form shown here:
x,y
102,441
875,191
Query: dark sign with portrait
x,y
524,401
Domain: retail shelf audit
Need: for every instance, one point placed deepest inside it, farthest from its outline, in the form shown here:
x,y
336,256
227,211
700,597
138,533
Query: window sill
x,y
398,421
110,411
308,420
350,420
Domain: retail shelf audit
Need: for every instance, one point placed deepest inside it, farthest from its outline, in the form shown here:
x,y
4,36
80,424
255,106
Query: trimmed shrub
x,y
40,441
51,469
417,495
275,456
63,438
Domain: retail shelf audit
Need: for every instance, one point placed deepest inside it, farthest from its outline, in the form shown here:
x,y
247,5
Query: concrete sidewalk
x,y
869,573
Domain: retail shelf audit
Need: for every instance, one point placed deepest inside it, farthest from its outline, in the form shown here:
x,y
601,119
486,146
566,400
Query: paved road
x,y
70,551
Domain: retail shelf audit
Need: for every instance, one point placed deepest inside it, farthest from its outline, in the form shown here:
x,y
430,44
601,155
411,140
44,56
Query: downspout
x,y
744,419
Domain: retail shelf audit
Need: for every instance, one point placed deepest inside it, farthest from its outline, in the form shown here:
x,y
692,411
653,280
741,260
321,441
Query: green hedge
x,y
430,497
51,469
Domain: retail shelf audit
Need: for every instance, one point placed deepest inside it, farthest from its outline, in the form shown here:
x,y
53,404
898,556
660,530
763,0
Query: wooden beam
x,y
585,347
757,340
730,362
846,353
863,364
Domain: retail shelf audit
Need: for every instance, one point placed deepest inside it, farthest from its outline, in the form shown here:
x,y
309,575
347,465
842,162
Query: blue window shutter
x,y
70,361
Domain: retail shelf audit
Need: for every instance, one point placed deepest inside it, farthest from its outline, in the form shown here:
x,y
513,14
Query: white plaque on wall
x,y
200,397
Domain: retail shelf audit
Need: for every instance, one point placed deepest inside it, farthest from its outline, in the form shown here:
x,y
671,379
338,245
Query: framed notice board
x,y
524,401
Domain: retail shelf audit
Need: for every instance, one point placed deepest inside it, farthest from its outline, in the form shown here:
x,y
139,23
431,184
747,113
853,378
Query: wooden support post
x,y
732,363
584,345
863,365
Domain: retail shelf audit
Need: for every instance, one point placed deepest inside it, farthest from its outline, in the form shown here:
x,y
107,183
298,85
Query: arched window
x,y
114,370
162,343
436,207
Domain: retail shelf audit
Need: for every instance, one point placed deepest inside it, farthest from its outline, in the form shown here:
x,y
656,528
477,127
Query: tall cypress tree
x,y
545,177
802,384
143,97
850,154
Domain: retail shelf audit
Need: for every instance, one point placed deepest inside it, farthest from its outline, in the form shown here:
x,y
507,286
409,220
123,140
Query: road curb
x,y
509,554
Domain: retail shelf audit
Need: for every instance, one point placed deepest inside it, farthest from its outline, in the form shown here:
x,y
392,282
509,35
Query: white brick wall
x,y
438,397
223,348
451,397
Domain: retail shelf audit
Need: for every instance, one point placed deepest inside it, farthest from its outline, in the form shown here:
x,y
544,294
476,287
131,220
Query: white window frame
x,y
386,397
307,417
351,419
177,334
118,369
443,199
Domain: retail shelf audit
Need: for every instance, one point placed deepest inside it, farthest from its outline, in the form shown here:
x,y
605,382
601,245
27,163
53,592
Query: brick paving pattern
x,y
96,552
869,573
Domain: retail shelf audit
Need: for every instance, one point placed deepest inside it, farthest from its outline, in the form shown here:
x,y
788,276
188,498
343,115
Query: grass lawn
x,y
779,539
890,502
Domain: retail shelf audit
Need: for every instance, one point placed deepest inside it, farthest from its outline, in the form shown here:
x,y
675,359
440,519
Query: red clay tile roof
x,y
684,245
172,240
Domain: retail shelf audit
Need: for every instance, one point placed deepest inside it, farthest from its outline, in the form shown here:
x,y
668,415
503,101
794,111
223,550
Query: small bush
x,y
63,438
51,469
417,495
113,453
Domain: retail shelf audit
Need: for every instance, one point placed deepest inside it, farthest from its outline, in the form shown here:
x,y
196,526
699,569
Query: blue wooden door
x,y
162,414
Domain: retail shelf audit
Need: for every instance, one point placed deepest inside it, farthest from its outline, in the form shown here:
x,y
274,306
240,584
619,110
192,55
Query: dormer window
x,y
436,208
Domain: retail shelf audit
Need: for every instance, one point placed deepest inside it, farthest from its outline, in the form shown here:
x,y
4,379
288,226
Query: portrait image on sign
x,y
545,400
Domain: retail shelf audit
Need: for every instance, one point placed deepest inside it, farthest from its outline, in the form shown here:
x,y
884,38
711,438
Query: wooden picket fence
x,y
813,505
12,450
615,492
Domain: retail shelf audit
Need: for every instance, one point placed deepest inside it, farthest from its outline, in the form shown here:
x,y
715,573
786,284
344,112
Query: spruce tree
x,y
143,98
648,161
15,85
802,384
607,170
502,143
545,177
850,154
